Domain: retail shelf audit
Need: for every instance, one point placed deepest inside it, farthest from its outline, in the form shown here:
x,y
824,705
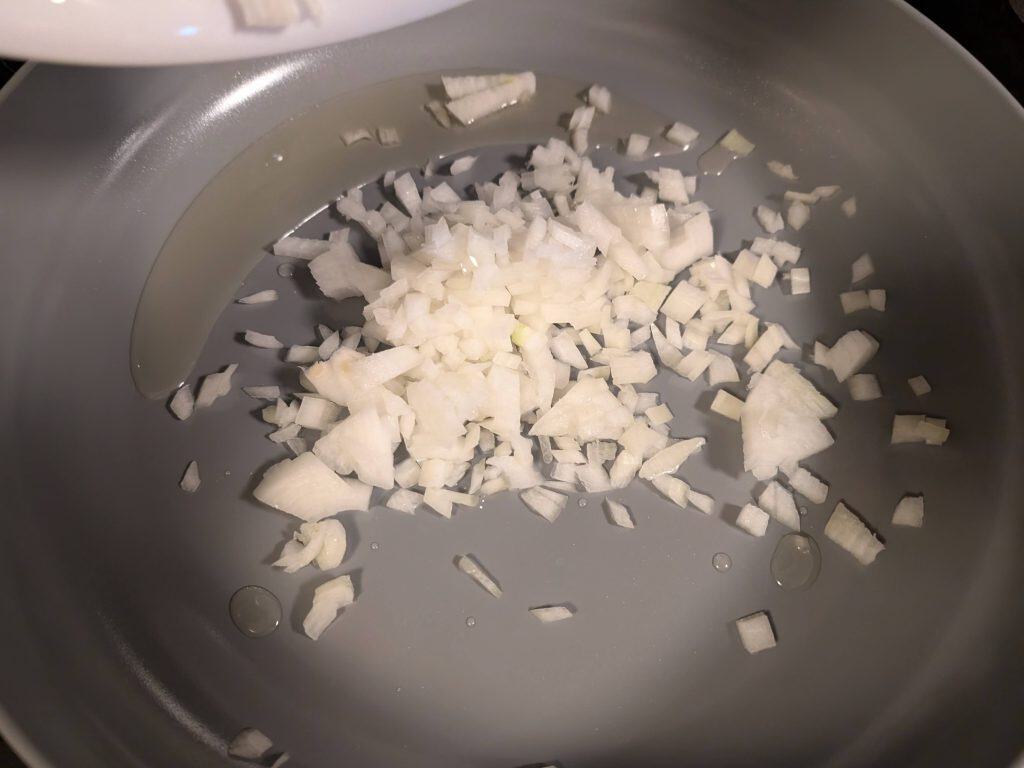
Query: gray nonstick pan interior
x,y
117,644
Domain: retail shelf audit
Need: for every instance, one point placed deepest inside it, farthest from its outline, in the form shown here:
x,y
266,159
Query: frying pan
x,y
117,645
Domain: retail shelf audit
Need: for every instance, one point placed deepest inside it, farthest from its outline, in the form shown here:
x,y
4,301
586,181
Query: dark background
x,y
992,30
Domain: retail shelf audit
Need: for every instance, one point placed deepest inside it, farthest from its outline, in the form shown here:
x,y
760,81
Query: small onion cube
x,y
302,354
876,298
782,170
849,207
182,404
797,215
249,744
807,485
854,301
682,135
354,135
472,568
292,247
547,504
619,514
550,613
190,480
328,600
600,98
779,503
753,520
672,488
770,220
636,146
727,405
261,340
260,297
736,143
864,386
919,385
909,512
659,414
799,281
404,500
861,269
849,532
756,633
215,385
387,136
701,501
263,393
461,165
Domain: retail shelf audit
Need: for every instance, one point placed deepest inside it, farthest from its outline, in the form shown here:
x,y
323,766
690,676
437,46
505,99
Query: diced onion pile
x,y
505,335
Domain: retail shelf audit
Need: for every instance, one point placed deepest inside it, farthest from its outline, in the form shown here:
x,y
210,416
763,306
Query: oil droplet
x,y
715,160
721,562
286,270
582,502
796,561
374,545
277,157
470,622
255,611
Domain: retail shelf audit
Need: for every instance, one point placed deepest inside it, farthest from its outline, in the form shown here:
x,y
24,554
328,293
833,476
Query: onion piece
x,y
472,568
919,385
387,136
551,613
600,98
909,512
864,386
292,247
779,504
736,143
806,484
670,458
726,404
471,107
328,600
548,504
461,165
782,170
797,215
260,297
182,404
190,480
659,414
770,220
800,281
636,146
214,386
848,531
306,488
861,269
849,207
756,633
404,500
355,135
682,135
753,520
324,542
249,744
263,393
851,353
876,299
854,301
261,340
619,514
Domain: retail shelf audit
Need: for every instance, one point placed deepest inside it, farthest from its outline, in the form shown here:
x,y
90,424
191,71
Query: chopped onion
x,y
672,488
800,281
249,744
797,215
659,414
849,207
292,247
550,613
876,298
600,98
909,512
469,108
354,135
849,532
727,405
669,459
328,600
545,503
440,113
854,301
469,566
682,135
781,170
215,385
864,386
261,340
756,633
701,501
260,297
190,480
404,500
324,542
182,403
736,143
263,393
308,489
461,165
619,514
302,354
779,504
753,520
908,428
261,14
636,146
919,385
770,220
388,136
861,269
850,353
806,484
